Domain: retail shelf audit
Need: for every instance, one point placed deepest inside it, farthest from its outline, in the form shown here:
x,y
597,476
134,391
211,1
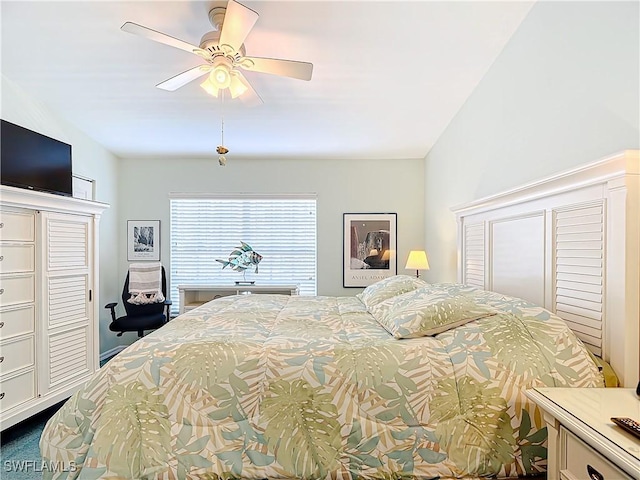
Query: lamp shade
x,y
417,261
236,87
210,88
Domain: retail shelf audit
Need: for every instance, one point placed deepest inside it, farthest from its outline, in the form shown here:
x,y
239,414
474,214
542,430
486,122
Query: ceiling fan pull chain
x,y
222,150
222,117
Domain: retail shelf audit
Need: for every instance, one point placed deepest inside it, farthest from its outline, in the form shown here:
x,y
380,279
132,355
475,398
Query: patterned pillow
x,y
425,312
388,288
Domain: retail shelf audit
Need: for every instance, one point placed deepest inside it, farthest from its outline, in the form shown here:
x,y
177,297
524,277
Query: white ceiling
x,y
388,76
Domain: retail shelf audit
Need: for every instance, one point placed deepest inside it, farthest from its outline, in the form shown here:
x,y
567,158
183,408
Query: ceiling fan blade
x,y
238,22
161,38
183,78
250,97
274,66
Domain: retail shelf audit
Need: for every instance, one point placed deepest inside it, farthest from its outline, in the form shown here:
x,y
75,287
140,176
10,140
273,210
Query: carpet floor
x,y
19,446
19,450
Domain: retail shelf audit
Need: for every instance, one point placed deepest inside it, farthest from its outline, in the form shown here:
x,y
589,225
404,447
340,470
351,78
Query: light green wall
x,y
341,186
90,160
564,92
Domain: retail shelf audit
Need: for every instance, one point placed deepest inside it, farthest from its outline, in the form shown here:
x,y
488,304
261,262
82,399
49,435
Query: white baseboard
x,y
111,352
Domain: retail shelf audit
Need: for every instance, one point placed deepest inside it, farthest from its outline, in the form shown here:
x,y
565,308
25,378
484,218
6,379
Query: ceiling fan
x,y
224,54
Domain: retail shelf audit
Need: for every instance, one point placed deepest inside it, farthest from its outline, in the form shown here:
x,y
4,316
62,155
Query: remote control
x,y
628,424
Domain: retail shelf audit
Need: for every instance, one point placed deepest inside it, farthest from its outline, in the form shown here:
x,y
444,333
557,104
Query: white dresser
x,y
48,311
583,441
17,308
192,296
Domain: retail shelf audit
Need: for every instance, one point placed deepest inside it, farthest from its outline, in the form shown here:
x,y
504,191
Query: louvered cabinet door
x,y
66,299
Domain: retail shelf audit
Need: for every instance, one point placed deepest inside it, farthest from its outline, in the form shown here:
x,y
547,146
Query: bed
x,y
271,386
405,380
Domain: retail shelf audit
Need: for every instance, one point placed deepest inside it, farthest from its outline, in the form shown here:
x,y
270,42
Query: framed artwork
x,y
143,240
369,248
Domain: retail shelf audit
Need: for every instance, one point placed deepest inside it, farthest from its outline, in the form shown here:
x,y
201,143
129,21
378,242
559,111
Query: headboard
x,y
571,243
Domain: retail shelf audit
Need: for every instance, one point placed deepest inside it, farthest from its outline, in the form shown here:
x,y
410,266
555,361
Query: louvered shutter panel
x,y
579,236
67,247
67,299
474,255
68,354
282,230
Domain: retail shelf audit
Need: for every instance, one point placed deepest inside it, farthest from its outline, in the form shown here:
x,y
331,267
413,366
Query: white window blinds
x,y
281,229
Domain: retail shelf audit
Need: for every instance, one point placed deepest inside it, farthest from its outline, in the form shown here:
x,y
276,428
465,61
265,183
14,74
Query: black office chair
x,y
140,317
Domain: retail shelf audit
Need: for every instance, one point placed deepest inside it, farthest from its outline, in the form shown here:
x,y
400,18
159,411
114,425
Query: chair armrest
x,y
167,303
112,306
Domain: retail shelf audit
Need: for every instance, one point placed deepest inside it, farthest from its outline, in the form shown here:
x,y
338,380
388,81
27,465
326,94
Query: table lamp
x,y
417,261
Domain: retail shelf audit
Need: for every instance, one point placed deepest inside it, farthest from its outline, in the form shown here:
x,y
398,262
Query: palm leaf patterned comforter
x,y
269,386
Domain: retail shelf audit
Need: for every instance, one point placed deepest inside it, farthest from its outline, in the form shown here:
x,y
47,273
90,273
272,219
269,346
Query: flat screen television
x,y
34,161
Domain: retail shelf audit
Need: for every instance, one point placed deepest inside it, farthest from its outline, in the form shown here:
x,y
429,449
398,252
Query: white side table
x,y
583,441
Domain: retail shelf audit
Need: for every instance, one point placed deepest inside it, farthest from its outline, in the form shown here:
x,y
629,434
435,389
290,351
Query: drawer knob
x,y
1,324
1,257
1,224
1,395
594,474
1,291
2,359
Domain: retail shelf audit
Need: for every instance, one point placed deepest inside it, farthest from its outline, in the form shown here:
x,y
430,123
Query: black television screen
x,y
34,161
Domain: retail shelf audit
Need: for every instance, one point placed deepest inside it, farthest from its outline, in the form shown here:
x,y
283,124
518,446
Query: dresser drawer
x,y
17,226
16,290
16,354
16,258
579,461
17,390
17,321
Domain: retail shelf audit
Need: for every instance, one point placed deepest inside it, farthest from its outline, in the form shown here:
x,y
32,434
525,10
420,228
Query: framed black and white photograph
x,y
369,248
143,240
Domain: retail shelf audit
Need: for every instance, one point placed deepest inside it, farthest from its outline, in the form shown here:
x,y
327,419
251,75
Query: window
x,y
280,228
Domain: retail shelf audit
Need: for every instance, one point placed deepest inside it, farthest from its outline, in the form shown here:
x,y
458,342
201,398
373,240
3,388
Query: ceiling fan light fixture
x,y
210,88
220,76
237,87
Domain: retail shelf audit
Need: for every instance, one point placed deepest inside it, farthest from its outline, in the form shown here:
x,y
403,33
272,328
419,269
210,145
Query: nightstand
x,y
583,441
